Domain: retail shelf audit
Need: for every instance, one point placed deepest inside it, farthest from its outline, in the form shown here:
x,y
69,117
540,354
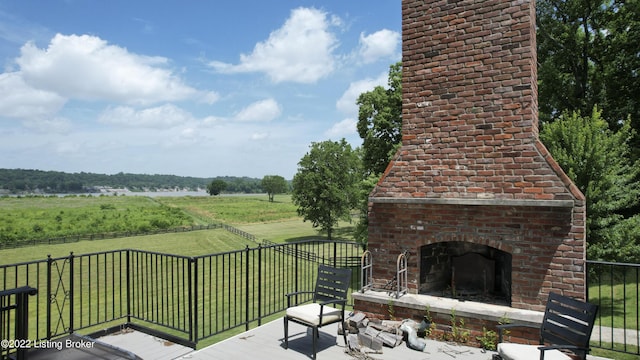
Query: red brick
x,y
482,123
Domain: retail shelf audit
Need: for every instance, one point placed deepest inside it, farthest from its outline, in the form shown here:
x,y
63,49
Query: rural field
x,y
72,216
40,218
45,217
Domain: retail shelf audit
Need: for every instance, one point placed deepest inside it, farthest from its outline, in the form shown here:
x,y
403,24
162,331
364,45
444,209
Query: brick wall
x,y
473,326
471,166
470,120
545,254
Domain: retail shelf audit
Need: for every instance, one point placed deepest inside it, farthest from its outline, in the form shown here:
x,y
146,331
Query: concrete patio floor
x,y
267,342
263,342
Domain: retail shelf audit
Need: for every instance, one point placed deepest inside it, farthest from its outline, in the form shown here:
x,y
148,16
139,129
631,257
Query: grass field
x,y
29,218
295,229
235,210
184,243
277,222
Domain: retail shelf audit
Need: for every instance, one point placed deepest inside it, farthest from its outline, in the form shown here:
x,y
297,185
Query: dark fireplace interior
x,y
466,271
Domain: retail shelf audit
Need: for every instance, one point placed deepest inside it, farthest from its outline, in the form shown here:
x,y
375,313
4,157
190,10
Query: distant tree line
x,y
24,181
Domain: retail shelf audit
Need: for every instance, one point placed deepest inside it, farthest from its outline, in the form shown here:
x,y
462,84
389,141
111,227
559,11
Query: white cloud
x,y
185,137
212,121
19,100
263,110
259,136
343,128
164,116
210,97
49,125
87,67
347,102
381,44
300,51
68,147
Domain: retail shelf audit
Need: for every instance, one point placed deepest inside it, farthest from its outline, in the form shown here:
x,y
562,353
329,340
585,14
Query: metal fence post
x,y
128,269
296,270
48,292
192,304
259,284
586,280
22,317
71,291
21,321
247,288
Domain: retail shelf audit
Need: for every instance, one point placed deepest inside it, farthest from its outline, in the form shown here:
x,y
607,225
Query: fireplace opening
x,y
466,271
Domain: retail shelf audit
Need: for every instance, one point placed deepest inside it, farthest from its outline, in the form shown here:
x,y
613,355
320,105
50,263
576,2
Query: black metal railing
x,y
184,299
190,299
615,288
14,321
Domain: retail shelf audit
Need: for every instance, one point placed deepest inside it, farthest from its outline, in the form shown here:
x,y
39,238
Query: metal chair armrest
x,y
289,295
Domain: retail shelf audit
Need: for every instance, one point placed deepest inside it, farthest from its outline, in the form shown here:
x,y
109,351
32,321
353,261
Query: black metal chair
x,y
564,333
327,306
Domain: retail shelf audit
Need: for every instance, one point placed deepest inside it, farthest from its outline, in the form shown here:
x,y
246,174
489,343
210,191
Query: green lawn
x,y
235,210
184,243
615,354
42,218
617,296
295,229
50,217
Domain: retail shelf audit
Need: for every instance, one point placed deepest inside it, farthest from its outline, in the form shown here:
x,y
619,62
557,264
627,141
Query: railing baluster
x,y
193,299
624,305
259,284
71,292
637,310
296,270
49,294
246,288
128,283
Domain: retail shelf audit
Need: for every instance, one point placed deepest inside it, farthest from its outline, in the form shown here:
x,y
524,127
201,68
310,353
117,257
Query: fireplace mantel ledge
x,y
443,305
486,202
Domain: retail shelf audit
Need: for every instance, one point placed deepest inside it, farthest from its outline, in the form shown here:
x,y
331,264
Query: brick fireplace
x,y
472,177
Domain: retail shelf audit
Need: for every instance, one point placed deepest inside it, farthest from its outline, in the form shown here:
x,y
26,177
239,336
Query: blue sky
x,y
190,88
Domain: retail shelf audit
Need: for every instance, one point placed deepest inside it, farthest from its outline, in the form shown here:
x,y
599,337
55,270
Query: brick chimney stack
x,y
471,167
470,113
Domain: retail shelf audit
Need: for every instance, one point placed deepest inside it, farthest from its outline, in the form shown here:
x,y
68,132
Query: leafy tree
x,y
380,122
587,56
380,127
566,56
596,159
215,187
365,187
274,184
325,186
